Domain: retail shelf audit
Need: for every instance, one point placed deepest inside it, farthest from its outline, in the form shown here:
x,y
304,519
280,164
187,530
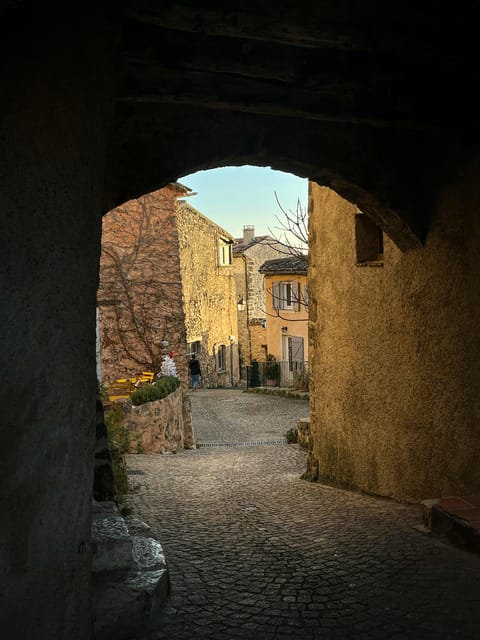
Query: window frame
x,y
284,297
221,357
195,347
225,258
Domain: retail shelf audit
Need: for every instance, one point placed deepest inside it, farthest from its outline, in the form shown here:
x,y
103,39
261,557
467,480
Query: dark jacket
x,y
194,366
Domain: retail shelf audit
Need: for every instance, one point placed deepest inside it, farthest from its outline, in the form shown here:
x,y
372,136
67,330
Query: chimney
x,y
248,233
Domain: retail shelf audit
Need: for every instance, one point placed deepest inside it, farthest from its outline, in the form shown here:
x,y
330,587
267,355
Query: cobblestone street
x,y
254,552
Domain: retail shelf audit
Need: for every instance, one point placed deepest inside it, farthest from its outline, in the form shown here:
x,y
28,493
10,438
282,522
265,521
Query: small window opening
x,y
221,358
368,241
224,253
194,347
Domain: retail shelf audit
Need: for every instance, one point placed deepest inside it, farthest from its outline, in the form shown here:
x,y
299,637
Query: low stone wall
x,y
162,426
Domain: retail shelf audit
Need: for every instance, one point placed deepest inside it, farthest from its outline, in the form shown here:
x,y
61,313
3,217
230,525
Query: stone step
x,y
456,519
129,577
111,540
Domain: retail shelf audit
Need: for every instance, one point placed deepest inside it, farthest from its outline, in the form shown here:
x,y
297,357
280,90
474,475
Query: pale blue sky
x,y
237,196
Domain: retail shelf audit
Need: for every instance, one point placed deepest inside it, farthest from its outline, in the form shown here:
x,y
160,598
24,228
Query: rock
x,y
125,606
111,541
137,527
130,576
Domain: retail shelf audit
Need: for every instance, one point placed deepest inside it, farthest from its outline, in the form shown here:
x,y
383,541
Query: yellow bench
x,y
122,388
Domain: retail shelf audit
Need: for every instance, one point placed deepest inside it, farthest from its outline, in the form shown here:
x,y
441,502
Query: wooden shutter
x,y
297,349
276,299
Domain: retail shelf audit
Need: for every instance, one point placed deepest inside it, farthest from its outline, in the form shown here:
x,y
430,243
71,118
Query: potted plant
x,y
272,371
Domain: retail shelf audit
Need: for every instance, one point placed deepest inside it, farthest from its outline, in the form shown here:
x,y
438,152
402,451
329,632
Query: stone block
x,y
147,554
111,542
125,607
137,527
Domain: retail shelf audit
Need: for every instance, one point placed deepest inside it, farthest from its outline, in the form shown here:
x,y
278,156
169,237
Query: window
x,y
224,252
221,357
368,241
194,347
286,295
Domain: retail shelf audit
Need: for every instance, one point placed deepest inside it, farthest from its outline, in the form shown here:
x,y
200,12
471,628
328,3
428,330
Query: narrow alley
x,y
255,552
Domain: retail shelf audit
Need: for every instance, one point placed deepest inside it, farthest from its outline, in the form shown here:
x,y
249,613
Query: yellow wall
x,y
295,321
394,350
209,295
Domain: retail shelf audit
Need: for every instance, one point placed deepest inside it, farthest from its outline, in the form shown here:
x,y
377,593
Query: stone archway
x,y
111,101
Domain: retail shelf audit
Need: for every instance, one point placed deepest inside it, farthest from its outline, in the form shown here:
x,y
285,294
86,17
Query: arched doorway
x,y
102,107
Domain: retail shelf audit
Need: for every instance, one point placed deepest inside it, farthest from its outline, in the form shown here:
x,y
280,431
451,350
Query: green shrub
x,y
292,436
117,434
163,387
118,443
119,468
102,391
254,374
272,368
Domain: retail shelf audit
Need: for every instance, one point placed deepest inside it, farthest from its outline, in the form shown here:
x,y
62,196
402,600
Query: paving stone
x,y
248,539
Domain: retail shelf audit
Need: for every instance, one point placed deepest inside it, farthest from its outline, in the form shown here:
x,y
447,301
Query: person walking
x,y
195,371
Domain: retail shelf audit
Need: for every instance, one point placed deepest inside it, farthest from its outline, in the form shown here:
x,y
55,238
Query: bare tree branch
x,y
291,235
130,268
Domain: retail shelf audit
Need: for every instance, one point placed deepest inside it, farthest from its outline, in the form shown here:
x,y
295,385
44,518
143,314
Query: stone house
x,y
393,350
166,284
139,298
286,303
209,296
249,253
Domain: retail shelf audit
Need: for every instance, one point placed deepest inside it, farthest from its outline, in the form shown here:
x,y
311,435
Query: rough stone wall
x,y
54,122
244,338
250,289
139,296
257,254
162,426
395,384
209,295
259,341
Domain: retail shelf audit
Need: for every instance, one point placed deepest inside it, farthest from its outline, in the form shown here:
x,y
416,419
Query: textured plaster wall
x,y
295,321
209,295
53,129
394,350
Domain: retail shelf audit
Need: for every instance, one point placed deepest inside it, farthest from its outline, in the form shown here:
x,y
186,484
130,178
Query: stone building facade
x,y
249,253
393,350
140,291
167,284
209,296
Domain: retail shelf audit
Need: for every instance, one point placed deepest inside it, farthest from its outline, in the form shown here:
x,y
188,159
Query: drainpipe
x,y
247,309
231,361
